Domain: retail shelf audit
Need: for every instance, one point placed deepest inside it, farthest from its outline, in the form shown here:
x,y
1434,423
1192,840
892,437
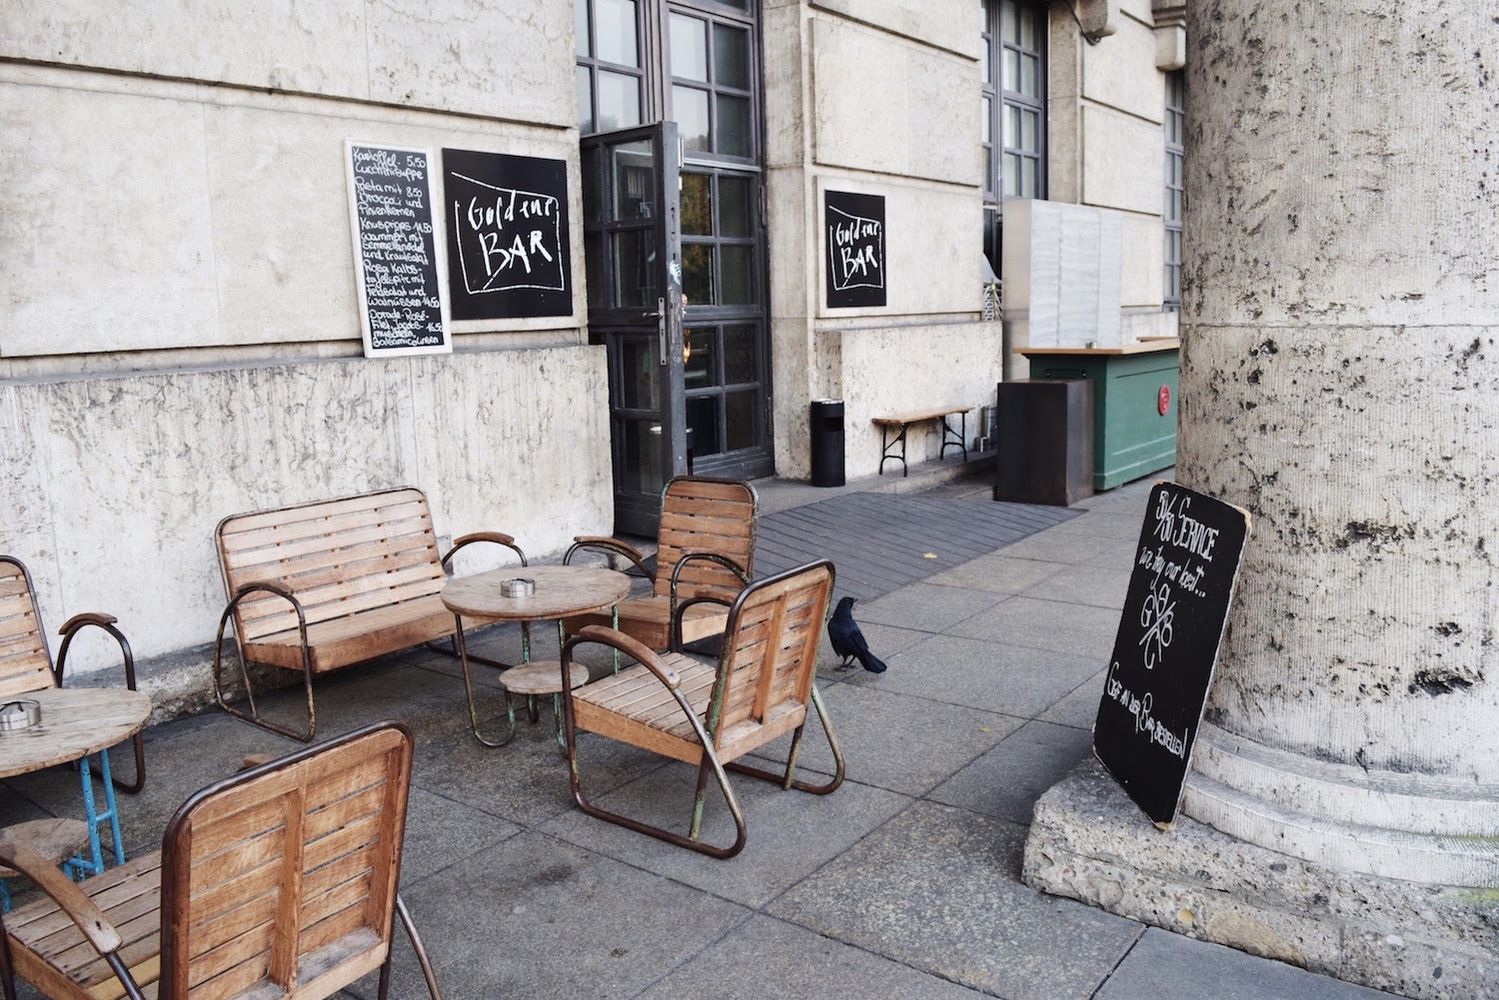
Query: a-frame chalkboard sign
x,y
1185,569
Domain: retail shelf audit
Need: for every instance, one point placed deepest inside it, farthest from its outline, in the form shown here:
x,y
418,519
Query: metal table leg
x,y
468,690
93,863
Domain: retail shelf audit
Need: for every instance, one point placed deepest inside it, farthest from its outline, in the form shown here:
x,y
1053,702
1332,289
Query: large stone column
x,y
1340,379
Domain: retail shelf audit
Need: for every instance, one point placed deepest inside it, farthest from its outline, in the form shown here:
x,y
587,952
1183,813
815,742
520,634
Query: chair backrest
x,y
283,878
706,515
25,662
337,556
769,656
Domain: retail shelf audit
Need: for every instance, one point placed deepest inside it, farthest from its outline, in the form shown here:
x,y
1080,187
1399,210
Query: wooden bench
x,y
324,585
278,882
951,437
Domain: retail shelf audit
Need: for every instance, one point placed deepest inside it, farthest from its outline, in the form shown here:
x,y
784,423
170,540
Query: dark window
x,y
711,92
1014,106
611,80
1176,118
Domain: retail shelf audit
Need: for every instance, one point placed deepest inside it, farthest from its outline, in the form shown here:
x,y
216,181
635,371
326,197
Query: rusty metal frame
x,y
497,538
253,717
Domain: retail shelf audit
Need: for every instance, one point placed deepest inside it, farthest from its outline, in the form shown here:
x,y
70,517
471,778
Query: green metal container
x,y
1134,404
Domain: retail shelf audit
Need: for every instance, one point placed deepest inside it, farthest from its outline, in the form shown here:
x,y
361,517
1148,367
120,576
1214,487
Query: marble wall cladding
x,y
954,25
118,482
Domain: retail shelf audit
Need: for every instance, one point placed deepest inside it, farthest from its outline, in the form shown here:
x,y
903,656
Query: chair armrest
x,y
79,622
633,648
678,613
71,899
606,544
497,537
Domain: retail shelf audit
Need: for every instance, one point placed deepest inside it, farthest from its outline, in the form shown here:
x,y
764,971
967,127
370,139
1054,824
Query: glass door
x,y
632,246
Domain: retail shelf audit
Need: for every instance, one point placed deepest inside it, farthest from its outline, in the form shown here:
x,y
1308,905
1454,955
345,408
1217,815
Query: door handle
x,y
661,330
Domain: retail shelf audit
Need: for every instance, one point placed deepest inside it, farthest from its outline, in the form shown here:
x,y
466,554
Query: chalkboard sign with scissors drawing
x,y
1185,569
507,235
397,255
854,230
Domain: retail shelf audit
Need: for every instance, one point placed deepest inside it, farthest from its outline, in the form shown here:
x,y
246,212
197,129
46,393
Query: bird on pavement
x,y
848,641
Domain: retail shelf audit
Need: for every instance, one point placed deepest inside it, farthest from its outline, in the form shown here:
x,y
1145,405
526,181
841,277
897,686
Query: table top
x,y
76,722
560,591
1144,347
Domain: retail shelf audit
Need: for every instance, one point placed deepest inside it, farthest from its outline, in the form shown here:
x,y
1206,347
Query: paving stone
x,y
1053,546
1015,680
1114,554
1006,782
884,641
894,741
440,831
1114,522
998,573
925,607
1166,966
535,917
937,888
770,863
1077,629
769,957
525,781
1086,584
1080,707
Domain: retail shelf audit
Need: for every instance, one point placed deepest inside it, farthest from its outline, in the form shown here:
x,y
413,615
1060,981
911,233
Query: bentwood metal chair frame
x,y
705,556
28,664
706,715
280,881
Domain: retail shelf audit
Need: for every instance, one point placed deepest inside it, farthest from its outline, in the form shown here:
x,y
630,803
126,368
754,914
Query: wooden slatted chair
x,y
707,715
279,882
704,558
324,585
26,661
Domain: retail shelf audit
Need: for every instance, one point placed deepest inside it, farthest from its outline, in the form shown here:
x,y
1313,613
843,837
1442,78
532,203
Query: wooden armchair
x,y
704,559
710,715
26,661
279,882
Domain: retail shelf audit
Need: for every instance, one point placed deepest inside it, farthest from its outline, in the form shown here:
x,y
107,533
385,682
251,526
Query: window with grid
x,y
610,65
1175,127
711,92
1014,103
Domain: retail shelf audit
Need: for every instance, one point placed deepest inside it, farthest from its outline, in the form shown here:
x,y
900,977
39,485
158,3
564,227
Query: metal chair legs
x,y
468,690
787,779
253,716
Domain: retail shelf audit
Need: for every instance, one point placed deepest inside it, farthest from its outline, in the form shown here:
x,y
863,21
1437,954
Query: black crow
x,y
848,641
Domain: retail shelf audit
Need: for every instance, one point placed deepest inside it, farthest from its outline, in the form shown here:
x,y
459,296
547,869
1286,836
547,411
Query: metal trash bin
x,y
827,442
1045,441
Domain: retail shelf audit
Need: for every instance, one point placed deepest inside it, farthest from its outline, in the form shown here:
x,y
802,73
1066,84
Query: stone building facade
x,y
180,326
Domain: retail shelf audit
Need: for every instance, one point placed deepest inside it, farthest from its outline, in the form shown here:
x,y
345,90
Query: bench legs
x,y
885,445
954,438
253,716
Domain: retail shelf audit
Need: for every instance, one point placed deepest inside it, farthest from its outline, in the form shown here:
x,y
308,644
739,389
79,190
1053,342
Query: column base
x,y
1089,842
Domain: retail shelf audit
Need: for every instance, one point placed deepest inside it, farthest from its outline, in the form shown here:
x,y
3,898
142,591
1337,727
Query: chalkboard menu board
x,y
396,253
1174,612
507,235
854,227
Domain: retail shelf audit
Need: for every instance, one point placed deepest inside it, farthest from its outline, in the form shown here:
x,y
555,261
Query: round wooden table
x,y
561,592
78,723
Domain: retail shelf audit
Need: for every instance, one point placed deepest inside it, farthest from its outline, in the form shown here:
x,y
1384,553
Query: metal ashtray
x,y
519,586
23,713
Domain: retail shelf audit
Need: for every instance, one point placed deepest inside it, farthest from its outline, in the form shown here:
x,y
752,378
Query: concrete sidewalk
x,y
904,883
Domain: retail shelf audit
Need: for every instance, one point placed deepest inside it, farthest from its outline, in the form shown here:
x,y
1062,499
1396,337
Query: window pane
x,y
739,419
1028,178
731,57
633,182
1012,126
988,169
697,205
585,101
1028,35
988,120
733,125
637,364
1012,174
1030,129
697,274
635,273
1010,21
1012,70
593,257
738,283
702,425
734,206
698,366
580,26
614,21
1030,76
689,48
641,465
739,355
619,101
690,108
988,76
